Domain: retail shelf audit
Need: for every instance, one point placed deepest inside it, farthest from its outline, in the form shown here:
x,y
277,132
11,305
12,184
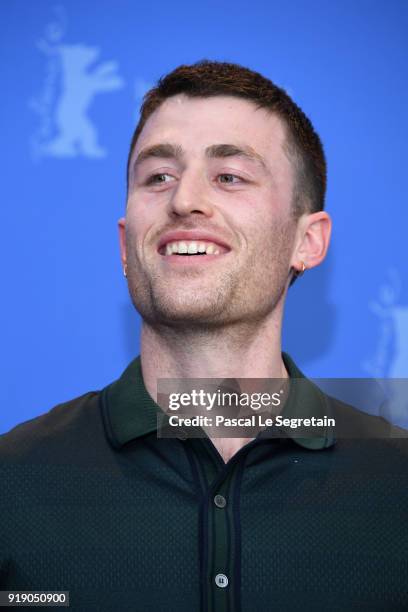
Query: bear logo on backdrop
x,y
391,357
74,78
390,360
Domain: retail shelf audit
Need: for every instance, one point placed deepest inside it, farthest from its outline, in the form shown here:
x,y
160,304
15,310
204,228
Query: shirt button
x,y
221,581
220,501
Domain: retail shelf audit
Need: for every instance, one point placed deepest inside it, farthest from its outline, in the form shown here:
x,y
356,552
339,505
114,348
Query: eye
x,y
229,179
159,179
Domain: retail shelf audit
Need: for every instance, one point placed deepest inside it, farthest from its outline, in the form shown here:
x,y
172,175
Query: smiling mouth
x,y
192,248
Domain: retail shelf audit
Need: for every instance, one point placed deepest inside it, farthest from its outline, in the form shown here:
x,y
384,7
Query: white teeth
x,y
191,248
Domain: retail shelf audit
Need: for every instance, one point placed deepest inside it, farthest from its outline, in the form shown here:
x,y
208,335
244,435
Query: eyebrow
x,y
218,151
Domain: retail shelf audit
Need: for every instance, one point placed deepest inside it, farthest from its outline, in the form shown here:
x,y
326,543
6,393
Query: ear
x,y
313,240
122,240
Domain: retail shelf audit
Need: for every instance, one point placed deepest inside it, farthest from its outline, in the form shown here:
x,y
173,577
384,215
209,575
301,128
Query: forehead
x,y
196,123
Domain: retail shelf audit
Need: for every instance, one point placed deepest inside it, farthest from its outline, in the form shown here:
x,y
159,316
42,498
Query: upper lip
x,y
189,235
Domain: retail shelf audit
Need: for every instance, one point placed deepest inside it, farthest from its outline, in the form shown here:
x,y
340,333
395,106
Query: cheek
x,y
139,219
135,233
270,239
145,210
257,219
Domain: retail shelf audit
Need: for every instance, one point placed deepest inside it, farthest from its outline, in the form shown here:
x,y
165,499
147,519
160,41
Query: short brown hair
x,y
206,79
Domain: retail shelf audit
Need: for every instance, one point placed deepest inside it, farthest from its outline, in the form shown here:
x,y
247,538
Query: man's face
x,y
209,174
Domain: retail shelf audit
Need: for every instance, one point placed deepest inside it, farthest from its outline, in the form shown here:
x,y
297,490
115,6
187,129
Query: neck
x,y
240,351
248,350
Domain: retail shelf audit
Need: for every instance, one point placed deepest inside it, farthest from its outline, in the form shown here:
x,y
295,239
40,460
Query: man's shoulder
x,y
355,425
61,430
377,423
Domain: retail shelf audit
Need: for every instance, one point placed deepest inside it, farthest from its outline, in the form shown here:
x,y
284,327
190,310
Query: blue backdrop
x,y
72,78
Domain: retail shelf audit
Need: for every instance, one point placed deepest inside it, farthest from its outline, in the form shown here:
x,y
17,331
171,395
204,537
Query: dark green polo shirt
x,y
94,503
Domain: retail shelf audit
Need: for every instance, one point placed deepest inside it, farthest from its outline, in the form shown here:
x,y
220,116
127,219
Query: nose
x,y
190,196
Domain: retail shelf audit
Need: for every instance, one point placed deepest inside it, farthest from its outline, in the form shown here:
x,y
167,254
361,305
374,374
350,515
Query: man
x,y
226,184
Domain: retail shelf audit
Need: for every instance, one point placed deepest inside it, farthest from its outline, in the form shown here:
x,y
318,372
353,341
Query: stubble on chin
x,y
248,291
178,302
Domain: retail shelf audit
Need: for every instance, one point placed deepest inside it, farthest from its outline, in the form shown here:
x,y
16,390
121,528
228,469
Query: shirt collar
x,y
129,412
306,400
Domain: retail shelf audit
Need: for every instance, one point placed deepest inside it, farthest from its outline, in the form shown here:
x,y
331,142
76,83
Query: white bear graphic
x,y
76,133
